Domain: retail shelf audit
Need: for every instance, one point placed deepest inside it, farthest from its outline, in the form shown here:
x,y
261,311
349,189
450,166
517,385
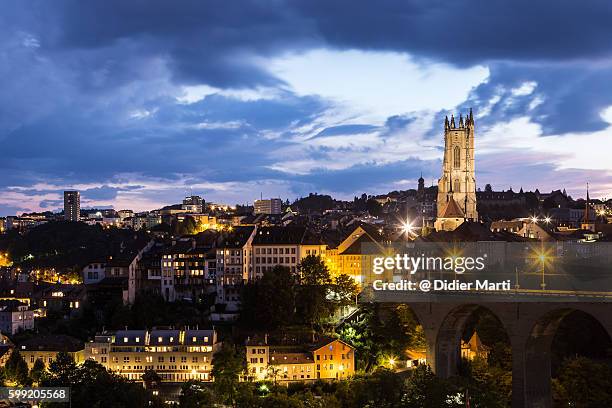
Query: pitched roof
x,y
52,342
279,235
452,210
237,238
356,248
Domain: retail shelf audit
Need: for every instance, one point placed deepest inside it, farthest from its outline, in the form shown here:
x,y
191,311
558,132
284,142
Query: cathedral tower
x,y
457,186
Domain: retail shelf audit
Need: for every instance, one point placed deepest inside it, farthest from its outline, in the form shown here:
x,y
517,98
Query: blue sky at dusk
x,y
136,103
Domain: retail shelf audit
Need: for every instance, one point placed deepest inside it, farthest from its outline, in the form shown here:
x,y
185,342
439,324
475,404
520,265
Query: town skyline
x,y
136,114
110,206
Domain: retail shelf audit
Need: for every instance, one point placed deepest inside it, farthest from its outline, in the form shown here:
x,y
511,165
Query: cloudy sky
x,y
137,102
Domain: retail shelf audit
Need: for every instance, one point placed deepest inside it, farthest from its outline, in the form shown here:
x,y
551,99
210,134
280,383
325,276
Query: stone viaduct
x,y
530,324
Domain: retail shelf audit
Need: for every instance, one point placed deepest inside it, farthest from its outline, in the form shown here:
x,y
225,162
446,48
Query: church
x,y
456,201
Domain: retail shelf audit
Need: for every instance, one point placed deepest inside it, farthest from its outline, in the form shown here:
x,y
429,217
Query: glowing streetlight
x,y
392,362
407,228
542,256
534,219
547,220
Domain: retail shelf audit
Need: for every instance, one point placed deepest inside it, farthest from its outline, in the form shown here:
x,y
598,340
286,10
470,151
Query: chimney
x,y
266,338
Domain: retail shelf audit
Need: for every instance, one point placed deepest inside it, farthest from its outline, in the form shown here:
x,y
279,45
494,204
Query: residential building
x,y
474,348
285,246
175,355
353,255
94,272
233,269
15,316
72,205
268,206
326,359
123,214
46,347
193,204
63,298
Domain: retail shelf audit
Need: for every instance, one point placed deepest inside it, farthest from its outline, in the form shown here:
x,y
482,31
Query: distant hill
x,y
315,202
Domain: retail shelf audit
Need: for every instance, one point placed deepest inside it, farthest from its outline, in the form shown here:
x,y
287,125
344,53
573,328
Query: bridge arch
x,y
448,339
538,352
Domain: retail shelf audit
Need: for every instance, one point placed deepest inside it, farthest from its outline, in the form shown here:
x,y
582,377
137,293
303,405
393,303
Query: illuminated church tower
x,y
457,186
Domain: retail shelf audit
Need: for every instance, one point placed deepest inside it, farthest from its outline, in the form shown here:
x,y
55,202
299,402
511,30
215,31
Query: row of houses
x,y
218,263
177,356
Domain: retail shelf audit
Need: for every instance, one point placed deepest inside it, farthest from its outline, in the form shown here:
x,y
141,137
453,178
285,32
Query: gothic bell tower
x,y
457,185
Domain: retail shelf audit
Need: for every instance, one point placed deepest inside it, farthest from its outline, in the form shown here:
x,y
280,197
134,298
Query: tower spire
x,y
446,126
460,120
452,122
586,207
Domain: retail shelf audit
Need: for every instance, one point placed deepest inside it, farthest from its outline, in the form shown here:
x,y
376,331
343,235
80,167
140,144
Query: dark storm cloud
x,y
215,137
468,32
572,97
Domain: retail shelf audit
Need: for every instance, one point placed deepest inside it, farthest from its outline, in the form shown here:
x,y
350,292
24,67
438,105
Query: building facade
x,y
268,206
458,180
175,355
327,359
15,317
72,205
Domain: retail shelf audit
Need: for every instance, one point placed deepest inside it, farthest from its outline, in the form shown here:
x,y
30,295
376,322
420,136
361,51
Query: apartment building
x,y
72,205
353,255
327,359
285,246
175,355
46,348
268,206
233,267
15,316
187,268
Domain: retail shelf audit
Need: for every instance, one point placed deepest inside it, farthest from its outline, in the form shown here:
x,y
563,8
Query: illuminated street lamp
x,y
407,228
534,219
547,220
543,257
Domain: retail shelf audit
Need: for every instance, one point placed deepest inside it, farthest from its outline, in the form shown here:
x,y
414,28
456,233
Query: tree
x,y
16,369
424,390
365,334
277,296
91,385
315,280
373,207
196,394
189,226
312,304
37,371
313,271
228,364
346,289
150,378
62,370
583,383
